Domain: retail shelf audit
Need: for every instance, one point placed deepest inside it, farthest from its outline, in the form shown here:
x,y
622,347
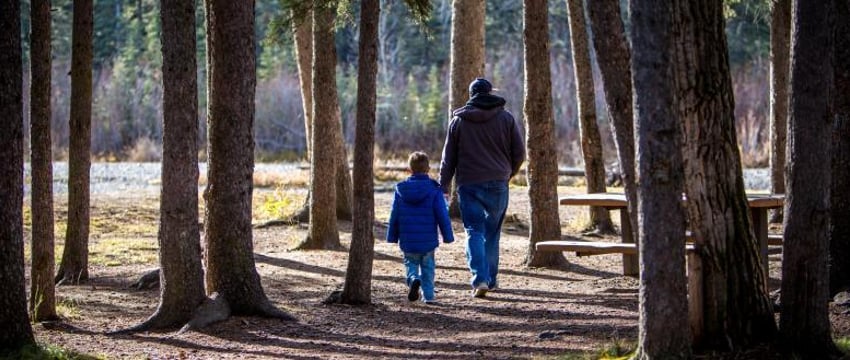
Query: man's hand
x,y
447,197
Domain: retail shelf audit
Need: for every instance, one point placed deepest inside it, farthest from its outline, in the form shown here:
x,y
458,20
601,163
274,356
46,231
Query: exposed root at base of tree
x,y
148,280
64,277
336,297
549,261
300,216
307,244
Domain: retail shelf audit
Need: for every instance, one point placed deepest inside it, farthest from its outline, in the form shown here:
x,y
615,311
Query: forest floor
x,y
570,313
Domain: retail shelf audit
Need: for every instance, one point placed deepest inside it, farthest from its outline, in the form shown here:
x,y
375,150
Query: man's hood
x,y
481,108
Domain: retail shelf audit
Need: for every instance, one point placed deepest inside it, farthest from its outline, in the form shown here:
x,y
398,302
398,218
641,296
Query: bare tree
x,y
614,59
229,250
467,60
804,320
780,53
591,143
737,310
303,34
181,275
17,331
42,290
663,293
540,138
358,275
323,232
839,242
74,266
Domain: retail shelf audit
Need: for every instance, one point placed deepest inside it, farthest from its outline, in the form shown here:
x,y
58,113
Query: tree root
x,y
148,280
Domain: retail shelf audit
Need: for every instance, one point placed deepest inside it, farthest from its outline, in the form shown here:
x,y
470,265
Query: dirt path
x,y
537,313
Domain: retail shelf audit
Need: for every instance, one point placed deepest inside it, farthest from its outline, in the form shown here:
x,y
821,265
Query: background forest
x,y
412,78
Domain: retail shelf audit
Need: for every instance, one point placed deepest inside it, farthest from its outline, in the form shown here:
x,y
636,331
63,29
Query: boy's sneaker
x,y
480,290
413,293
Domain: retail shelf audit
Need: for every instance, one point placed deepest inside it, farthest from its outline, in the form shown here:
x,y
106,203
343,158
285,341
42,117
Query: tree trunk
x,y
540,138
358,275
780,52
230,268
467,53
663,294
839,242
591,143
467,61
343,171
804,320
737,311
303,34
42,291
181,275
323,233
614,59
303,38
17,330
75,258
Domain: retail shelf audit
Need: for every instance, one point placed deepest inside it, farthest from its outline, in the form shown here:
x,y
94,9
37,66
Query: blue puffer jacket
x,y
418,210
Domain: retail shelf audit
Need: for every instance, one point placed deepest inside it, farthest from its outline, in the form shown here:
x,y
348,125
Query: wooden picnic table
x,y
758,203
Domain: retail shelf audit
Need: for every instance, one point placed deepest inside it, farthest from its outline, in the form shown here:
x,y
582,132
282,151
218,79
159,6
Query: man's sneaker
x,y
480,290
430,302
413,293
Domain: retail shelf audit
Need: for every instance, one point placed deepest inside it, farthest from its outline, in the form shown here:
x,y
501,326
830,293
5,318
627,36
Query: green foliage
x,y
843,345
747,30
48,352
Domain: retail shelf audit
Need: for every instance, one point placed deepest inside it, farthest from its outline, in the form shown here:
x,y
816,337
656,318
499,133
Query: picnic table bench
x,y
758,204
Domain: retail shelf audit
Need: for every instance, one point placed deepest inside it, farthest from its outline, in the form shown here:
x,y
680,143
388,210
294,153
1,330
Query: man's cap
x,y
480,86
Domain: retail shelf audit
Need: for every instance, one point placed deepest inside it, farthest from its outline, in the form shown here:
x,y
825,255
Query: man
x,y
483,150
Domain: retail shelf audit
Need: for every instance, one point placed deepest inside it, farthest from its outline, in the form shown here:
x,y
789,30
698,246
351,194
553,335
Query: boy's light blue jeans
x,y
482,207
421,266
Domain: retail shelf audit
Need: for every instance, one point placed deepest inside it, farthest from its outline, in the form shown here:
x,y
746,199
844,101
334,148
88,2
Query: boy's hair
x,y
418,162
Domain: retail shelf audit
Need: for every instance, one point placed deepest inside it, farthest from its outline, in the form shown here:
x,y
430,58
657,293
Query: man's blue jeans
x,y
482,207
421,266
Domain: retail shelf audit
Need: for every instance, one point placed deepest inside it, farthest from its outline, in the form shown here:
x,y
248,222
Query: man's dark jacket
x,y
484,143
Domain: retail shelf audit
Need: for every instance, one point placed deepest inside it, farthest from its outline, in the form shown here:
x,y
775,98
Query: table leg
x,y
759,216
631,263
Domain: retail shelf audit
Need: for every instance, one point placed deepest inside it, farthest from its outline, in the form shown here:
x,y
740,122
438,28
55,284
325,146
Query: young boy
x,y
418,210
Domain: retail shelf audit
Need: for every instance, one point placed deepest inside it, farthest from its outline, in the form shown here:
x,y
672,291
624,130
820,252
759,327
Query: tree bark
x,y
358,275
737,310
591,143
839,242
303,34
540,139
181,275
75,258
42,290
614,59
303,39
17,330
323,232
780,52
467,61
663,293
804,320
230,268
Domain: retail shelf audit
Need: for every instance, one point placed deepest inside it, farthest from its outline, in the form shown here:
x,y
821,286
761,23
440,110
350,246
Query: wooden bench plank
x,y
772,239
583,248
